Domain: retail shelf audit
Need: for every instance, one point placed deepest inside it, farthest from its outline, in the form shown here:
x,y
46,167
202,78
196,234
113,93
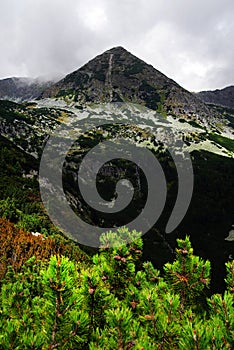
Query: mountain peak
x,y
115,75
118,76
118,55
117,49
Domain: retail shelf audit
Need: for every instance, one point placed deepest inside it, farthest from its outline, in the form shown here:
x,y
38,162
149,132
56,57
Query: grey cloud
x,y
189,41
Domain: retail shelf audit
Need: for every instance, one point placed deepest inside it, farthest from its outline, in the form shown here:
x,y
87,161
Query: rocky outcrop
x,y
223,97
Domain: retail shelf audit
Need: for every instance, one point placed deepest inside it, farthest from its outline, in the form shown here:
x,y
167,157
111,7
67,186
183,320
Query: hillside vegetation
x,y
115,302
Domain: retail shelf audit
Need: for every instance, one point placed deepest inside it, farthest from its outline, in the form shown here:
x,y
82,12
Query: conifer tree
x,y
115,302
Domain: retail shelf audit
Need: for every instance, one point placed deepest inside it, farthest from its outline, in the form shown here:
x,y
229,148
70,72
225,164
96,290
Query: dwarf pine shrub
x,y
116,302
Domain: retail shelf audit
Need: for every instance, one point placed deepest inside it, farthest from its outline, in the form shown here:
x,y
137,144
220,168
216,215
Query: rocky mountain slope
x,y
22,89
223,97
150,109
117,75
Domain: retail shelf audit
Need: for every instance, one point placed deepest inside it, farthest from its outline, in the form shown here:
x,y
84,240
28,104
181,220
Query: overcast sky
x,y
190,41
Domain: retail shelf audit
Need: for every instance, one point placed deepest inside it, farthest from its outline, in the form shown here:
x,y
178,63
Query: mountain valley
x,y
148,109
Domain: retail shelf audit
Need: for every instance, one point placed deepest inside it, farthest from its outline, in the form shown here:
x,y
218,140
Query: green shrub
x,y
116,303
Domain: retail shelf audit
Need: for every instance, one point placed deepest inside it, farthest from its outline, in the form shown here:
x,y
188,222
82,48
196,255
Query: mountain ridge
x,y
22,88
118,76
223,97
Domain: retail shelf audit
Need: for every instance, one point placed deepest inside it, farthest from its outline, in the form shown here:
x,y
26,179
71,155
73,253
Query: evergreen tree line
x,y
115,301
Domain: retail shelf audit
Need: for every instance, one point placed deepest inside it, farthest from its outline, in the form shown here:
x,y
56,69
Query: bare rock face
x,y
223,97
117,75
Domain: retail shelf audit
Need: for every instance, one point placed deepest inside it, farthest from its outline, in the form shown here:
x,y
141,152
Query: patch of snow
x,y
36,234
175,123
207,145
230,236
